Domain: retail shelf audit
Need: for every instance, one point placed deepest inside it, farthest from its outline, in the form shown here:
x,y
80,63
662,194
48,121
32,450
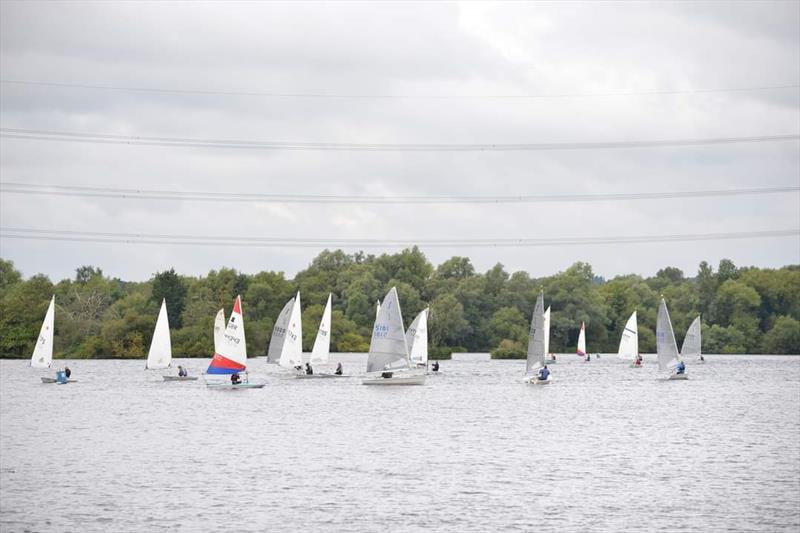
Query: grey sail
x,y
666,346
536,337
279,333
692,342
388,348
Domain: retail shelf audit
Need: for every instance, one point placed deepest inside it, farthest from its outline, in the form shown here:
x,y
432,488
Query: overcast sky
x,y
433,55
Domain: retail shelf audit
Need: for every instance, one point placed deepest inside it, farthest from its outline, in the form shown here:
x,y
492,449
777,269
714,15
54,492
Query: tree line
x,y
744,310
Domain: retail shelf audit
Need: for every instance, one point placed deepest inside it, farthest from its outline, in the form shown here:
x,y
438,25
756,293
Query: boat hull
x,y
180,378
413,379
54,380
678,377
317,376
533,380
635,366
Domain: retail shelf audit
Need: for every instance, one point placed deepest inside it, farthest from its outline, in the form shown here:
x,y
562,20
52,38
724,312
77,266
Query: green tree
x,y
169,286
784,337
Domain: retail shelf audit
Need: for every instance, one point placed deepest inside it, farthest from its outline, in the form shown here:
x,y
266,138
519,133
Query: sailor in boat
x,y
702,359
339,369
236,378
588,357
544,373
435,366
638,361
182,373
309,370
67,371
681,368
553,356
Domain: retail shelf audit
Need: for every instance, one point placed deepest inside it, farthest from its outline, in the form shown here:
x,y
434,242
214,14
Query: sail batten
x,y
42,356
160,353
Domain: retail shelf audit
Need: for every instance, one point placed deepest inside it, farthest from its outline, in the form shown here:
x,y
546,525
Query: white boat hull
x,y
678,376
533,380
53,380
313,376
396,379
180,378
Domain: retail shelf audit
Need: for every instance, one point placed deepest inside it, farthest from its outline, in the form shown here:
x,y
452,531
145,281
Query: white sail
x,y
582,341
388,348
536,349
160,354
666,346
692,341
629,342
43,351
279,333
322,345
547,331
219,328
292,349
417,339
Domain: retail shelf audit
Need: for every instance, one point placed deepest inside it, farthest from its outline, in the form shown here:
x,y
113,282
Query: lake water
x,y
604,448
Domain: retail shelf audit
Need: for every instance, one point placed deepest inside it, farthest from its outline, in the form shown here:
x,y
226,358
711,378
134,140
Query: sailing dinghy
x,y
285,345
692,342
160,354
42,356
582,341
536,346
667,348
629,342
231,358
417,340
388,362
320,353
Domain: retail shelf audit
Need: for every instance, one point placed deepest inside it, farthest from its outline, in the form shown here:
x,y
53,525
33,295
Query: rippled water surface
x,y
604,448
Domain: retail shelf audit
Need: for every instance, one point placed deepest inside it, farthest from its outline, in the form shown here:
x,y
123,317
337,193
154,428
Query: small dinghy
x,y
668,357
536,346
59,382
231,356
388,362
180,378
42,356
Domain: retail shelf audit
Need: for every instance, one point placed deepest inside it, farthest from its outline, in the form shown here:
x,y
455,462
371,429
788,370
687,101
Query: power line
x,y
283,242
342,96
107,138
150,194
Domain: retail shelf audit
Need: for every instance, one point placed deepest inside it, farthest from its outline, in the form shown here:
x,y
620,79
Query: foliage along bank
x,y
744,310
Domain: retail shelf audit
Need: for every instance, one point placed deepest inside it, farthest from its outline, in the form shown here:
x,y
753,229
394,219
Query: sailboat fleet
x,y
396,356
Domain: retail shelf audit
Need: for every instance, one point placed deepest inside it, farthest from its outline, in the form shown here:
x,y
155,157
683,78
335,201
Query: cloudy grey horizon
x,y
401,73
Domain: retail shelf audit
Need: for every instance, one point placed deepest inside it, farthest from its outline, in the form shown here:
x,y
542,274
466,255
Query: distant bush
x,y
509,349
443,352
